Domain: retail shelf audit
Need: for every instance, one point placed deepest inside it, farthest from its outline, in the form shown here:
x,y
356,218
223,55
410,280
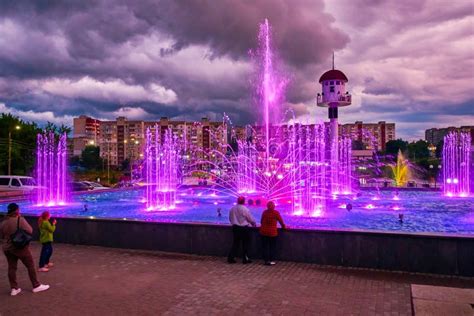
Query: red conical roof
x,y
333,74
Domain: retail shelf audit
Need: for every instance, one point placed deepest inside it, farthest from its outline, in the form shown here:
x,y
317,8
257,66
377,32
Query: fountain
x,y
51,169
456,164
161,172
400,171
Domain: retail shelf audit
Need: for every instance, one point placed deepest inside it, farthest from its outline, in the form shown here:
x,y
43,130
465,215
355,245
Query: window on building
x,y
337,83
332,83
326,83
331,89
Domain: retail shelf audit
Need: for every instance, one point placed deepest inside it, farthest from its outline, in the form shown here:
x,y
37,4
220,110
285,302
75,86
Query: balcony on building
x,y
341,100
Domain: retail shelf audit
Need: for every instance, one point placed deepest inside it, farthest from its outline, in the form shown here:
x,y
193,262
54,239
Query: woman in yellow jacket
x,y
46,238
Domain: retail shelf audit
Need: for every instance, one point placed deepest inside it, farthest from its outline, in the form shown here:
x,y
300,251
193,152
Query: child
x,y
269,232
46,239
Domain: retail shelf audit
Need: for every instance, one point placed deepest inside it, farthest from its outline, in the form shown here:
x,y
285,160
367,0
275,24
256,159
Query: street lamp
x,y
17,127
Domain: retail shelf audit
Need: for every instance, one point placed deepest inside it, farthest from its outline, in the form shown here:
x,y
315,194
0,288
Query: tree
x,y
418,150
393,146
439,149
125,165
23,143
90,158
358,145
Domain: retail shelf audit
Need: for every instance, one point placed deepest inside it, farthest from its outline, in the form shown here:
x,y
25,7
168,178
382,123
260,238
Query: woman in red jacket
x,y
269,232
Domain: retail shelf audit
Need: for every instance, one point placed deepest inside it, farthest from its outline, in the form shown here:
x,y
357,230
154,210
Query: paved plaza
x,y
104,281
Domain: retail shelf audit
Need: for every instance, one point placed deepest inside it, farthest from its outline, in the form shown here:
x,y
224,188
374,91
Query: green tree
x,y
90,158
358,145
23,143
393,146
418,150
125,165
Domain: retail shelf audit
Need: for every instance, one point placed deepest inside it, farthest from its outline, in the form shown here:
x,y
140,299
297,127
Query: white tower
x,y
333,95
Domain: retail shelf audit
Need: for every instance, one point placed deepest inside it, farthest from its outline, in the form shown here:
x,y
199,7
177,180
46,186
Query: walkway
x,y
104,281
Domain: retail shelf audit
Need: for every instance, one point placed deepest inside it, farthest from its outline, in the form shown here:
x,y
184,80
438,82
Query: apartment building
x,y
123,139
436,135
372,135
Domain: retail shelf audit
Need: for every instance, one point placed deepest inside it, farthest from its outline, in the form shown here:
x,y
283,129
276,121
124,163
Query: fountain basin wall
x,y
425,253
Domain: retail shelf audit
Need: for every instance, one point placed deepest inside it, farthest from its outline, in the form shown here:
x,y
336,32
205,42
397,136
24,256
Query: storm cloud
x,y
188,59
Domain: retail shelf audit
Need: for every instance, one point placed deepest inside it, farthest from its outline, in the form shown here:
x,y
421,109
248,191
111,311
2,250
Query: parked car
x,y
95,185
80,186
17,183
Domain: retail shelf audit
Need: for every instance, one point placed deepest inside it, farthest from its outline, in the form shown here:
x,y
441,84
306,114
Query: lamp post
x,y
17,127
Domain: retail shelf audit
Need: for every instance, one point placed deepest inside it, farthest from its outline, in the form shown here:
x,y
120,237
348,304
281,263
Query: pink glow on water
x,y
51,169
317,213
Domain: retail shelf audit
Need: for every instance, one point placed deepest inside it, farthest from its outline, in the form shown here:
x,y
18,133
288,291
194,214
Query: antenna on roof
x,y
332,60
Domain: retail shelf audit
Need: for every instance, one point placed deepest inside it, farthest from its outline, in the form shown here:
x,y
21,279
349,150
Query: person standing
x,y
9,226
241,220
46,239
269,232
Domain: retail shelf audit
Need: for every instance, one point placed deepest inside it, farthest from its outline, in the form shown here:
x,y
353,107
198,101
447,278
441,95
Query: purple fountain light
x,y
51,169
162,163
456,164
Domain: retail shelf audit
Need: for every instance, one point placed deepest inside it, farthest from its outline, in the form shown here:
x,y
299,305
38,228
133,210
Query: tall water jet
x,y
51,169
162,169
456,164
271,86
400,170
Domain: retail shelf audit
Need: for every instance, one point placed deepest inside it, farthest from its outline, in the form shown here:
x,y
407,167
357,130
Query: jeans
x,y
46,253
24,255
268,248
241,235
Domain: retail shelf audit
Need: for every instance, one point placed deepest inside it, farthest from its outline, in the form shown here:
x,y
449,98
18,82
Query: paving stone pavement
x,y
90,280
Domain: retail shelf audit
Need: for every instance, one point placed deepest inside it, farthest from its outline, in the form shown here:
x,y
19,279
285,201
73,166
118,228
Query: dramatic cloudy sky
x,y
409,62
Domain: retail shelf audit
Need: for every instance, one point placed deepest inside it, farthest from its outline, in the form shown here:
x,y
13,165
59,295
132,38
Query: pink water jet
x,y
162,164
456,164
51,169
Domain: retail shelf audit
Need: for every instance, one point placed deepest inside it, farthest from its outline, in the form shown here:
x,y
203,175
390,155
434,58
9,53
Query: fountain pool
x,y
423,211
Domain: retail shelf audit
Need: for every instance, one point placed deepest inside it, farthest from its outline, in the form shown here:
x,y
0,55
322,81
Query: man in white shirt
x,y
241,219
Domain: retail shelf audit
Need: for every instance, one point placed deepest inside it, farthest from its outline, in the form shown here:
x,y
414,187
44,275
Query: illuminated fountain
x,y
456,164
51,169
289,163
161,169
400,170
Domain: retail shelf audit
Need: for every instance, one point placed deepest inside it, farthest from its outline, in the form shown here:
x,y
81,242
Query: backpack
x,y
20,239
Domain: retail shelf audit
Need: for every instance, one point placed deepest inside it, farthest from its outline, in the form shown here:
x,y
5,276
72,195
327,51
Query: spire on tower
x,y
332,60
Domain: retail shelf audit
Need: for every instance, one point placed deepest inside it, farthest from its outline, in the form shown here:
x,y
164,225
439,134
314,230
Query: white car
x,y
95,185
17,183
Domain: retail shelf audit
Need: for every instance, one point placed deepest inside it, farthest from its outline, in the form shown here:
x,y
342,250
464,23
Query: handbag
x,y
20,239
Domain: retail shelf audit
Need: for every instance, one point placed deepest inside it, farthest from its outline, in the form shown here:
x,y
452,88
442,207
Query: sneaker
x,y
43,269
267,263
15,292
272,263
40,288
231,261
49,265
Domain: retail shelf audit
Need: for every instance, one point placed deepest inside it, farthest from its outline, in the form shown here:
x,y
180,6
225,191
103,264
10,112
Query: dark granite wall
x,y
441,254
